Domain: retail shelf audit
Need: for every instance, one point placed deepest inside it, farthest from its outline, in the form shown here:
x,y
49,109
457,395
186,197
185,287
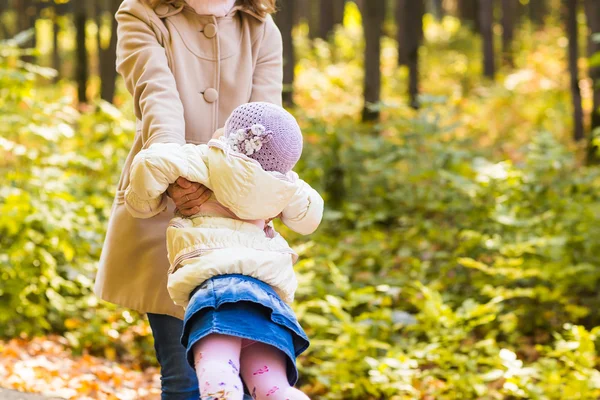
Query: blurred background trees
x,y
72,22
485,17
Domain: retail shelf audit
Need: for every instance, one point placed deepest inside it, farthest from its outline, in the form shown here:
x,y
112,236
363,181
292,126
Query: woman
x,y
187,65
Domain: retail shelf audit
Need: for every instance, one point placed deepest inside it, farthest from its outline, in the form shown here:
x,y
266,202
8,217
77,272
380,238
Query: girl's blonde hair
x,y
259,7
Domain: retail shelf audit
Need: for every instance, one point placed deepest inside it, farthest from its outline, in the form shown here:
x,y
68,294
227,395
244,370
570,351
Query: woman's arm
x,y
143,63
155,168
268,73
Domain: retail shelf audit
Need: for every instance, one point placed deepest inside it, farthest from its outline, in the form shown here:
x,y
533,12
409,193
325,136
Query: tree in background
x,y
81,74
330,13
409,22
509,8
56,14
573,52
338,11
373,15
285,21
26,17
437,8
4,32
521,12
486,22
402,34
468,11
592,12
326,19
313,18
107,54
538,10
322,16
301,8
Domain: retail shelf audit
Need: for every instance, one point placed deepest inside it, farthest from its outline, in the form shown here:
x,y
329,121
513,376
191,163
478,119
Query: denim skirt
x,y
242,306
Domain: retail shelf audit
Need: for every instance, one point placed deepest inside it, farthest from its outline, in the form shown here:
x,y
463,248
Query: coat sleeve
x,y
267,81
155,168
143,63
305,211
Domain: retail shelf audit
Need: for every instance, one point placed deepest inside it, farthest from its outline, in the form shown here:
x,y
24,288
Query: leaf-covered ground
x,y
46,365
9,394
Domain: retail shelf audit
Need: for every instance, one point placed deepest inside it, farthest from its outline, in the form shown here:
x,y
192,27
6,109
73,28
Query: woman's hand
x,y
188,196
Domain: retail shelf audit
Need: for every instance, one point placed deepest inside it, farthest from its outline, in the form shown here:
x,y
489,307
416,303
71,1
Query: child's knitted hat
x,y
266,133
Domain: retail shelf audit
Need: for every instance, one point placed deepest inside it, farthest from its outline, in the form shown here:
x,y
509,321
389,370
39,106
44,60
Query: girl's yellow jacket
x,y
204,246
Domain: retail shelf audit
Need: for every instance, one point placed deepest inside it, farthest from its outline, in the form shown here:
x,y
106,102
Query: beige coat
x,y
186,73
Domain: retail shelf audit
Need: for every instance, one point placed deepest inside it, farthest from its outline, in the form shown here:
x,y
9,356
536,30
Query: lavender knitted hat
x,y
266,133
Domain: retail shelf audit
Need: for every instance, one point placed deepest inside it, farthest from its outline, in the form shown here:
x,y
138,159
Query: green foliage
x,y
439,265
457,259
58,173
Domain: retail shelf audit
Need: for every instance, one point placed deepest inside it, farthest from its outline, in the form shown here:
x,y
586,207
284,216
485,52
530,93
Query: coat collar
x,y
167,10
240,8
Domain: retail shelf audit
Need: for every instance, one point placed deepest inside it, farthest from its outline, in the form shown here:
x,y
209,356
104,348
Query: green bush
x,y
58,169
439,267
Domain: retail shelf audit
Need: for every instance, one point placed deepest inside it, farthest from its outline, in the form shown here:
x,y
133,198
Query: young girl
x,y
246,329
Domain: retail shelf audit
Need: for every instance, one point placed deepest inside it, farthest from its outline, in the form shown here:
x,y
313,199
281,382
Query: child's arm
x,y
304,212
155,168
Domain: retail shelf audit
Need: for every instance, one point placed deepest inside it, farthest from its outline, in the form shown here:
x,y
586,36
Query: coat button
x,y
210,30
211,95
161,9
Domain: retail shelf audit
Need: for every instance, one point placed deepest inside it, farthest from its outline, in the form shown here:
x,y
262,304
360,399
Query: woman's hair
x,y
260,7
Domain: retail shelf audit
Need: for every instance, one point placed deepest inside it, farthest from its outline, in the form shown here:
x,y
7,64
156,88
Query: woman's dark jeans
x,y
178,379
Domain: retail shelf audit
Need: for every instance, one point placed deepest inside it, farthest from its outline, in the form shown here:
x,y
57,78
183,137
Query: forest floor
x,y
6,394
46,366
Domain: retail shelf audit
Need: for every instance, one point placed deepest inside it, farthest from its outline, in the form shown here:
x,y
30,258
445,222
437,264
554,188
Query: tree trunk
x,y
373,14
15,24
331,13
571,26
409,18
338,11
437,9
301,11
32,13
415,12
538,10
285,21
81,72
486,15
508,30
326,18
592,9
521,12
313,18
468,11
55,43
402,36
592,12
108,56
409,22
4,33
26,20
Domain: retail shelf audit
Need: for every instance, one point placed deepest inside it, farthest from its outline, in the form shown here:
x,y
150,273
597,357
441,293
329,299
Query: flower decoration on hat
x,y
249,140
